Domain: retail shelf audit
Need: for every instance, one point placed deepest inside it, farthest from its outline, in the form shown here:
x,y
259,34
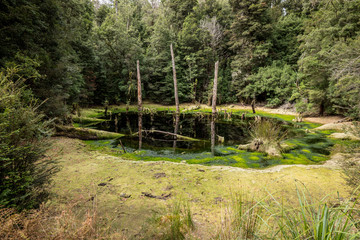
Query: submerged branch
x,y
178,136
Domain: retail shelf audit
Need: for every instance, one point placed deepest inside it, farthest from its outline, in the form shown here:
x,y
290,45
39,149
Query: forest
x,y
274,52
287,94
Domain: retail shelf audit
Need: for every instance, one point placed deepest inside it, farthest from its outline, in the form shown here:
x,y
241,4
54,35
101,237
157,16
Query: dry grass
x,y
72,222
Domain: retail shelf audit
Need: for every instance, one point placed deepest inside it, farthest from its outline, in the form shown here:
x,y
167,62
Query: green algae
x,y
303,146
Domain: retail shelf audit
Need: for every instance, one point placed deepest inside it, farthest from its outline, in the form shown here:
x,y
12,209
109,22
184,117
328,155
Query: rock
x,y
272,149
201,170
335,126
124,195
344,136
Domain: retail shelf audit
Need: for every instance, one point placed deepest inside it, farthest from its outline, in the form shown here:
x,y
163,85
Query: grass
x,y
267,131
174,223
270,218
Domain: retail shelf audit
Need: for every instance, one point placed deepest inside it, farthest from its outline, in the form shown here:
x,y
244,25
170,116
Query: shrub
x,y
22,144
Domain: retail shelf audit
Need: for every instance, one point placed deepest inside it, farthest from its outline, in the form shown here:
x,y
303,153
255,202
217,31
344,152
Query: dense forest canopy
x,y
305,52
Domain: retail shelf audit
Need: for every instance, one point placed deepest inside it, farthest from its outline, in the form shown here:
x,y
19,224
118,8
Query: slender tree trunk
x,y
215,88
176,129
116,7
213,135
253,106
139,87
175,81
140,129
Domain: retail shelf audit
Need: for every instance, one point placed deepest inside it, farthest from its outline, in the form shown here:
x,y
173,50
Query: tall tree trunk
x,y
175,81
139,87
215,88
253,106
176,129
213,135
140,129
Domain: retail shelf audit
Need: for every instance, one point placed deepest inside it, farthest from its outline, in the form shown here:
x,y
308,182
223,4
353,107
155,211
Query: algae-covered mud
x,y
116,188
198,138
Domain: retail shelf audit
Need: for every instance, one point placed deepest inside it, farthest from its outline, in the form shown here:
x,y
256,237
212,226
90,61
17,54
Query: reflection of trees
x,y
116,123
140,129
213,134
176,128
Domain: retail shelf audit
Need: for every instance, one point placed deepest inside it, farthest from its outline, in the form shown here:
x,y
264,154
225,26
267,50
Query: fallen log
x,y
178,136
85,133
86,120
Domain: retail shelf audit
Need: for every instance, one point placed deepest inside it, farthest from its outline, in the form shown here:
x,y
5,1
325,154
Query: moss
x,y
85,133
305,148
92,113
86,120
82,171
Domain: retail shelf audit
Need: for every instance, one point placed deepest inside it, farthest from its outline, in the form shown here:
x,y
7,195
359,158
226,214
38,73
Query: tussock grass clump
x,y
175,224
273,219
267,132
266,136
242,220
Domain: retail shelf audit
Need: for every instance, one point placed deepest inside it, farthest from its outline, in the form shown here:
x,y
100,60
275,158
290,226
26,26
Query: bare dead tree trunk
x,y
140,129
116,7
175,80
253,106
176,129
139,86
213,135
215,88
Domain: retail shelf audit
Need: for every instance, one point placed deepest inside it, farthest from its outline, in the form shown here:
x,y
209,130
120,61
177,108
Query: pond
x,y
201,138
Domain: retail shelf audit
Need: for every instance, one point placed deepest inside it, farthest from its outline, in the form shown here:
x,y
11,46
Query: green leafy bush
x,y
22,144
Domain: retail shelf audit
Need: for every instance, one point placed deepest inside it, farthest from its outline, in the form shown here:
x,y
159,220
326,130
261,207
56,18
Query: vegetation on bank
x,y
300,147
24,171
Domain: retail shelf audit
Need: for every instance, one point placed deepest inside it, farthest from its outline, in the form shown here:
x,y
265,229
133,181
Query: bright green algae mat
x,y
309,148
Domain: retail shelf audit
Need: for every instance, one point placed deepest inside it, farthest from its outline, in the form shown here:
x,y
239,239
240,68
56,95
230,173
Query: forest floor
x,y
119,189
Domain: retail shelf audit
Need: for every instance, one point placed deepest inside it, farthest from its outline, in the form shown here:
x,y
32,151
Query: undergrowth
x,y
75,220
271,218
175,223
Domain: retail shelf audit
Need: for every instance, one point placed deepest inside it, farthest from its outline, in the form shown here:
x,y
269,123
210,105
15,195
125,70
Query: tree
x,y
330,30
249,38
23,135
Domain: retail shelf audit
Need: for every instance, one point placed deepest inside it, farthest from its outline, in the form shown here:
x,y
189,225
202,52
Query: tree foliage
x,y
298,51
22,143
